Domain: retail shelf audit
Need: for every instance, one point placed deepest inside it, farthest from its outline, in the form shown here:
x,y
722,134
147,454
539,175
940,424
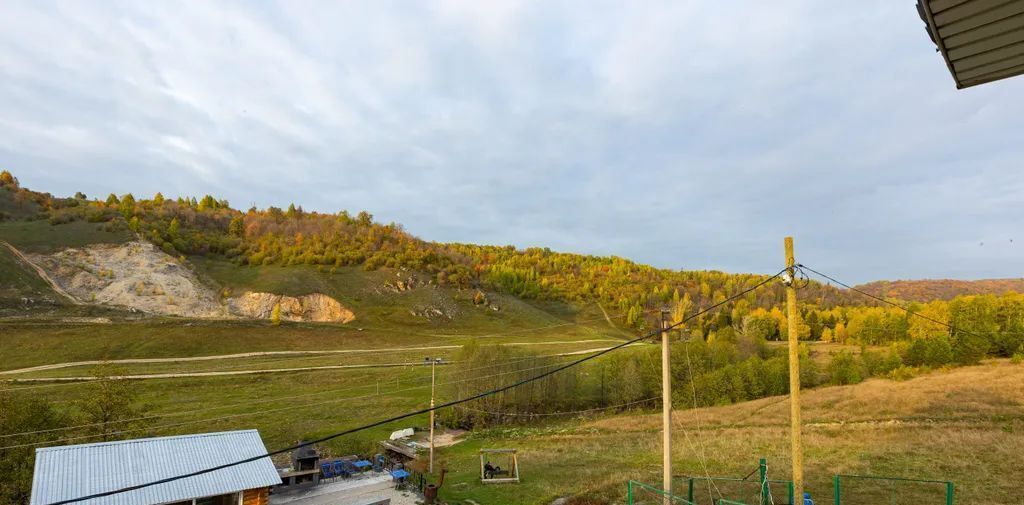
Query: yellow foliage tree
x,y
275,315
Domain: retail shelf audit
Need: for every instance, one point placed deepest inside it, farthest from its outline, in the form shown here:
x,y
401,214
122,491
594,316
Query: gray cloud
x,y
682,134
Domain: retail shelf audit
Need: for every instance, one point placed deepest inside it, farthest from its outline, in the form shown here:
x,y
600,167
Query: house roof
x,y
981,40
73,471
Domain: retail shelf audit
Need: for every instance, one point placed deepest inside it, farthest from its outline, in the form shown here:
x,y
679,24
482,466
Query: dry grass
x,y
964,425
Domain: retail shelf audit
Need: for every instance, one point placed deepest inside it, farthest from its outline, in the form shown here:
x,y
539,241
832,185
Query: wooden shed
x,y
74,471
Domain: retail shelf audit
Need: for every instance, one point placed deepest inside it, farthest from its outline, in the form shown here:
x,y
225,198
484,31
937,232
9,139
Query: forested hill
x,y
941,289
207,226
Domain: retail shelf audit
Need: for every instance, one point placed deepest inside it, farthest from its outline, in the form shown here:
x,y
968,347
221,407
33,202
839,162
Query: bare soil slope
x,y
135,275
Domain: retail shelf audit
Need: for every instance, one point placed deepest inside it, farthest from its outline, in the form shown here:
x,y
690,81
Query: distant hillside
x,y
941,289
210,229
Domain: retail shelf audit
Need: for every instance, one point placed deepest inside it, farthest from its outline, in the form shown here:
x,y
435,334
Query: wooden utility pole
x,y
794,374
666,409
433,363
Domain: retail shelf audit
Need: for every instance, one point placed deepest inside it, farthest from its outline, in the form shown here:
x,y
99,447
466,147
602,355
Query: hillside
x,y
926,290
965,425
231,245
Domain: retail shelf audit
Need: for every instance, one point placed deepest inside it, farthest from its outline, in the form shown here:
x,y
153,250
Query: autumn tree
x,y
8,180
173,229
237,226
275,315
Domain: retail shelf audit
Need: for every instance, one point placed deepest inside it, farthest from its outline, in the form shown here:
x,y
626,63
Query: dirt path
x,y
181,375
70,364
53,285
611,323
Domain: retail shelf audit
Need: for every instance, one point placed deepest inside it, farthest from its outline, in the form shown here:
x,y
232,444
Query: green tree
x,y
109,403
127,206
112,200
20,413
845,368
158,199
173,229
237,226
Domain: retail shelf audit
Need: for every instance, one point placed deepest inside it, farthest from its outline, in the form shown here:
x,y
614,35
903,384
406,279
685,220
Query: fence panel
x,y
638,493
880,490
710,490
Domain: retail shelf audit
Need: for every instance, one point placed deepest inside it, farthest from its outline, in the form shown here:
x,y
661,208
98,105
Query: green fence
x,y
749,490
711,490
876,490
638,493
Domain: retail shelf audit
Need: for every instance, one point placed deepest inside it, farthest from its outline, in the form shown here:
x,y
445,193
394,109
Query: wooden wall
x,y
260,496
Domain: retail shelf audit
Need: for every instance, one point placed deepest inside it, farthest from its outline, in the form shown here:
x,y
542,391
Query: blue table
x,y
362,464
399,474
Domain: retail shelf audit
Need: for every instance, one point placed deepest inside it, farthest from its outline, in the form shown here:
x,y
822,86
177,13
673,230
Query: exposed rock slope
x,y
135,275
140,277
316,307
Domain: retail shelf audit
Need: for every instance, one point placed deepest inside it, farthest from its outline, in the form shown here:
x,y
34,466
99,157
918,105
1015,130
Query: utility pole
x,y
794,374
666,410
433,364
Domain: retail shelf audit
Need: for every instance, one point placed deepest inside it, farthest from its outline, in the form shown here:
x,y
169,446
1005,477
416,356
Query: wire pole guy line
x,y
417,412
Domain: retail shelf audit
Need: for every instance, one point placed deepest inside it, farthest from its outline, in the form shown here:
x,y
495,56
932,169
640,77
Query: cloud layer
x,y
683,134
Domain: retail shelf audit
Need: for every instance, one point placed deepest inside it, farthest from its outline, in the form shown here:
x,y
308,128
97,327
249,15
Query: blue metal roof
x,y
73,471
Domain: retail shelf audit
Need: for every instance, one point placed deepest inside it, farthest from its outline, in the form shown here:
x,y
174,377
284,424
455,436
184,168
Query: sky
x,y
685,134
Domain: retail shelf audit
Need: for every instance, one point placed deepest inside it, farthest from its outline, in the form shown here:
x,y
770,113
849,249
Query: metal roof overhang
x,y
981,40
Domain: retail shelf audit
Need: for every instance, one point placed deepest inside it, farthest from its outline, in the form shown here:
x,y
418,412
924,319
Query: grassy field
x,y
964,425
18,281
41,236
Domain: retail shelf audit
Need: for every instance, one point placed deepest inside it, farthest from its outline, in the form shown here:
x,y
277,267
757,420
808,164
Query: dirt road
x,y
70,364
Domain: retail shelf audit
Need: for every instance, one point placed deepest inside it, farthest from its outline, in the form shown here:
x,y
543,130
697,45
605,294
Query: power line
x,y
883,300
78,381
418,412
572,412
219,407
266,411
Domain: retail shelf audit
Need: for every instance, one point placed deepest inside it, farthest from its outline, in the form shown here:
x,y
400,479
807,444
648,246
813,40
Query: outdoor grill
x,y
305,458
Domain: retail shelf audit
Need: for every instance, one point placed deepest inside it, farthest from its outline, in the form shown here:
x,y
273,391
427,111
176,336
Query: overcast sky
x,y
682,134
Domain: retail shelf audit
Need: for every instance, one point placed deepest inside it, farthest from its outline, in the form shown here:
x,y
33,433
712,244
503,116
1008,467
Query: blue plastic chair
x,y
807,499
340,470
327,471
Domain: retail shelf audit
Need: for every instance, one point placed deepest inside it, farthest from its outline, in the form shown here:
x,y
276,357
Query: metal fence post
x,y
789,487
629,493
949,493
689,492
835,487
763,472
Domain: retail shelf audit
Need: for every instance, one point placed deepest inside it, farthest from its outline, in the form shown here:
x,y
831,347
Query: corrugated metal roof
x,y
72,471
981,40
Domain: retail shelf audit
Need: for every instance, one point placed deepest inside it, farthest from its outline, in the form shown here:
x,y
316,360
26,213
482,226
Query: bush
x,y
931,351
845,368
879,364
904,373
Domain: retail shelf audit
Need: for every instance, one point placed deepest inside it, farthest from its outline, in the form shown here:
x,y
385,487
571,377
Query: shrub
x,y
845,368
931,351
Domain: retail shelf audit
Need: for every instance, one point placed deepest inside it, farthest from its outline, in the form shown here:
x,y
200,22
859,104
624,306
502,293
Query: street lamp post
x,y
433,365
